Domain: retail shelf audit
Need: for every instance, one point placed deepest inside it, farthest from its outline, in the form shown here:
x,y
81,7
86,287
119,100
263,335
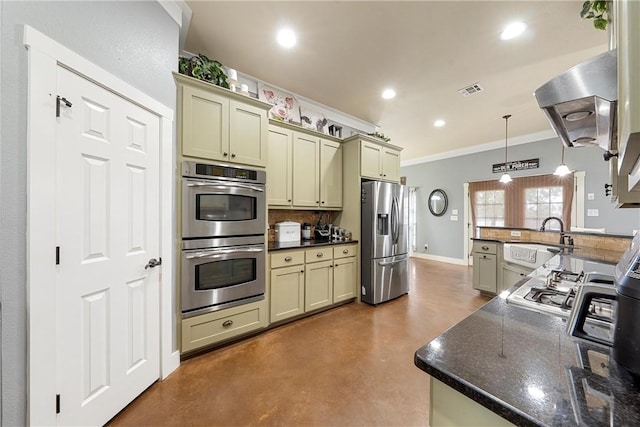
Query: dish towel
x,y
523,254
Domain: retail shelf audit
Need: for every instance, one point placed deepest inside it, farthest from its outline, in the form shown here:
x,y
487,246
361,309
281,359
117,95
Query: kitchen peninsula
x,y
507,365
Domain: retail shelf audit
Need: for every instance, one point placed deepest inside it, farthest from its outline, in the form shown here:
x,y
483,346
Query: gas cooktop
x,y
552,289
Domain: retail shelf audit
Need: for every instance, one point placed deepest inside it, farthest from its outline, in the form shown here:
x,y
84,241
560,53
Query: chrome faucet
x,y
562,235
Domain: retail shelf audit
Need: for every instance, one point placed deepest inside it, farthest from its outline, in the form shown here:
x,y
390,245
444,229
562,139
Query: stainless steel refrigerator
x,y
384,245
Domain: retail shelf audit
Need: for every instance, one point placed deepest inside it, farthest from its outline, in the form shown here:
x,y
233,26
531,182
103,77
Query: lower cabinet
x,y
485,266
306,280
206,329
512,274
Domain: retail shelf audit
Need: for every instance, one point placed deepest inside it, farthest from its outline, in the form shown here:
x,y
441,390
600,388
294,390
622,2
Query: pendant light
x,y
562,169
505,178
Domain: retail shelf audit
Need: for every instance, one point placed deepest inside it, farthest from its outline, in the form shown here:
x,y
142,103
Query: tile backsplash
x,y
281,215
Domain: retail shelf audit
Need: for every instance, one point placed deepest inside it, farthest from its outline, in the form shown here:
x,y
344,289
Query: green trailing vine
x,y
203,68
599,11
380,135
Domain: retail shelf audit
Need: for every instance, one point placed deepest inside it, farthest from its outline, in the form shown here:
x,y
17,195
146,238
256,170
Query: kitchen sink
x,y
530,255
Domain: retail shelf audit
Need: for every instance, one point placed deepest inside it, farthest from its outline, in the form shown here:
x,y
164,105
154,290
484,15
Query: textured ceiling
x,y
348,51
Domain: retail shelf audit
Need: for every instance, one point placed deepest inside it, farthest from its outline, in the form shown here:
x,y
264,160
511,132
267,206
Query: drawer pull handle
x,y
319,254
485,248
227,323
287,259
345,251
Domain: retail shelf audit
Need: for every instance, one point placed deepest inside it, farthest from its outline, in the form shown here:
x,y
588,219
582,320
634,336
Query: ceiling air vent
x,y
471,90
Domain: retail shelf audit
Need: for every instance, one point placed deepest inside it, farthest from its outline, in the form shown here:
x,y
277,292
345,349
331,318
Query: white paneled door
x,y
107,216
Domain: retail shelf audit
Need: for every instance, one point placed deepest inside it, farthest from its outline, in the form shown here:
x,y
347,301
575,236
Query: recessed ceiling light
x,y
513,30
439,123
388,93
286,38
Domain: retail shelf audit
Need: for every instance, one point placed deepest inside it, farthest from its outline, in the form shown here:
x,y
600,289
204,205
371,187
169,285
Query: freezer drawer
x,y
384,279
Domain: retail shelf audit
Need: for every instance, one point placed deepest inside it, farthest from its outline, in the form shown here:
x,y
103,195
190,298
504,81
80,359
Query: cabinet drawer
x,y
285,259
319,254
485,247
210,328
344,251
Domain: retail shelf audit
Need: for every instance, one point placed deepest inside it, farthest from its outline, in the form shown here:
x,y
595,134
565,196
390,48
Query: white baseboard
x,y
439,258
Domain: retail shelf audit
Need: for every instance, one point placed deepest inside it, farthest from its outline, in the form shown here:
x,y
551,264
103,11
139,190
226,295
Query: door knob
x,y
153,263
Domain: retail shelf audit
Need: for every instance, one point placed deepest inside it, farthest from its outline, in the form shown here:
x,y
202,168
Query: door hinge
x,y
63,100
57,403
57,255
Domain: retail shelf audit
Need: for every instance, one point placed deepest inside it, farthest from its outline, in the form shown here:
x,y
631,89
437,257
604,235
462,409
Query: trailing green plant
x,y
380,135
203,68
599,11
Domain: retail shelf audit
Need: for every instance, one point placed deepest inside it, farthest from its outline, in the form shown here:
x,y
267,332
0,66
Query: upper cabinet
x,y
378,160
627,19
217,124
304,170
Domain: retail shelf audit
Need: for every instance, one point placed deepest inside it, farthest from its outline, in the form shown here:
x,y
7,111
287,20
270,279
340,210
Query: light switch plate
x,y
454,217
591,196
593,212
516,234
454,211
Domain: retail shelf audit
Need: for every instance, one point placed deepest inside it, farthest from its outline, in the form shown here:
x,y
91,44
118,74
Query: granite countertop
x,y
522,365
275,246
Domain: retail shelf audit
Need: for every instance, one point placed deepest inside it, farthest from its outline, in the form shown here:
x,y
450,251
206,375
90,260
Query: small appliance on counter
x,y
323,232
287,231
306,231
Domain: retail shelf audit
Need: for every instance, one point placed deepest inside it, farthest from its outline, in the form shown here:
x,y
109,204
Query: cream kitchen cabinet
x,y
304,170
318,281
626,19
217,124
512,274
305,280
217,326
344,272
379,162
485,265
280,167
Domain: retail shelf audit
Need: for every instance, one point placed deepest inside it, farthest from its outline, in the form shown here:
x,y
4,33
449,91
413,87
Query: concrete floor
x,y
349,366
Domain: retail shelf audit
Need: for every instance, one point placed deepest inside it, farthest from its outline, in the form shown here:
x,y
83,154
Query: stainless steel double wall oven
x,y
223,244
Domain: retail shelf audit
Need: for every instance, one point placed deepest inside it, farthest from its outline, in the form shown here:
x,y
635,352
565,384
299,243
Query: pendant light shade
x,y
505,178
562,169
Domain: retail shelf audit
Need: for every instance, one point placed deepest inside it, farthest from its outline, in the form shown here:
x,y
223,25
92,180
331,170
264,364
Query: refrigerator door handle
x,y
394,220
384,264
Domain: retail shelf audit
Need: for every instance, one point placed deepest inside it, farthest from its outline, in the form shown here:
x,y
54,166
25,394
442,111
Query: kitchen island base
x,y
447,407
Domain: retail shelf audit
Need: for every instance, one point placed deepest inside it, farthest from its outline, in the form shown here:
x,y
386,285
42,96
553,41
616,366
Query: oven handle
x,y
214,252
222,186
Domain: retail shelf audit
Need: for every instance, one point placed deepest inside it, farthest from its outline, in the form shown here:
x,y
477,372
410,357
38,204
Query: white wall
x,y
446,238
135,40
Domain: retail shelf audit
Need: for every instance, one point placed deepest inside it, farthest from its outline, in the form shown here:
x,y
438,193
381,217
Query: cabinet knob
x,y
331,266
287,259
319,254
345,251
485,248
384,175
323,202
289,200
317,201
227,323
233,155
225,154
302,271
484,256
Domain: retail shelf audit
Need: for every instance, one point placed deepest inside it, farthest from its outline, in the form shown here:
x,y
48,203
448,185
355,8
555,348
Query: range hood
x,y
580,103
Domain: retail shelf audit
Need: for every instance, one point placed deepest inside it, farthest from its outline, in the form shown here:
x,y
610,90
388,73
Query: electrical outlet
x,y
591,196
516,234
454,217
454,211
593,212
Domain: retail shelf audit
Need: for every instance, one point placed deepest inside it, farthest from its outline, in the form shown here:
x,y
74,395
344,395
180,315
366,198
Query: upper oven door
x,y
221,208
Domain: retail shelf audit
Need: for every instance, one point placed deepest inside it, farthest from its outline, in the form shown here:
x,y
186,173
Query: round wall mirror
x,y
438,202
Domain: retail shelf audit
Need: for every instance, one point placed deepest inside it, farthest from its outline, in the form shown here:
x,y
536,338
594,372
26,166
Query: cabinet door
x,y
330,174
512,275
484,272
370,160
318,285
391,164
287,292
279,166
306,163
344,279
205,124
247,134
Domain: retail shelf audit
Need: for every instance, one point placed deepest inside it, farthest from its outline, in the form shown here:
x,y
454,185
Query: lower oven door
x,y
217,278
